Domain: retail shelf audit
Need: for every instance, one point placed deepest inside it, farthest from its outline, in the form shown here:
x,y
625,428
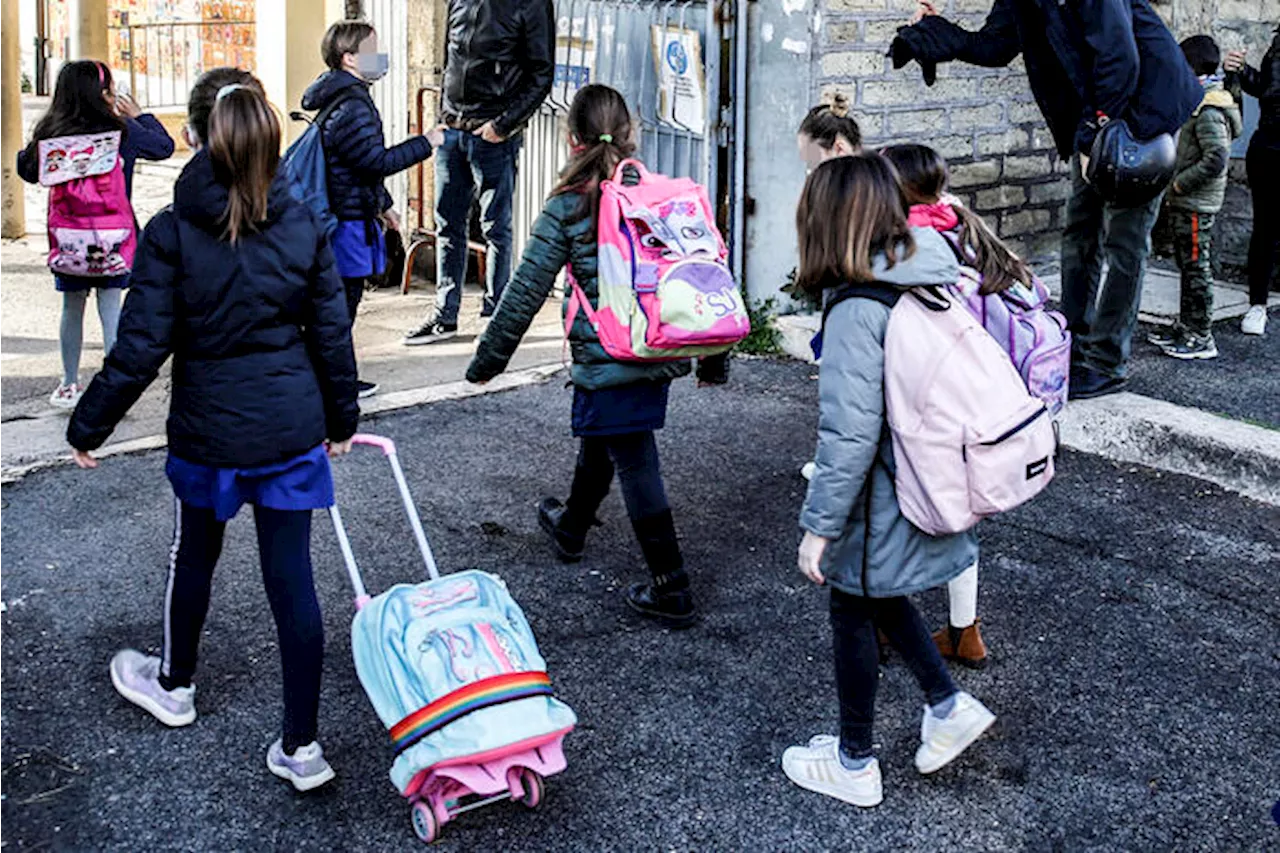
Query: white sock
x,y
962,596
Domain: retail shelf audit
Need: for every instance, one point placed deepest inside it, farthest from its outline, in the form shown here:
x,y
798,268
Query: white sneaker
x,y
137,678
305,769
808,469
66,396
816,767
1255,322
942,740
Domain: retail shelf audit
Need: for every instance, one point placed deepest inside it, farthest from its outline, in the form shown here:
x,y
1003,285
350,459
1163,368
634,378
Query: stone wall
x,y
984,121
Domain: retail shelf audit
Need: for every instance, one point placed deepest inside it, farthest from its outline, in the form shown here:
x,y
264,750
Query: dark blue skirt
x,y
637,407
302,483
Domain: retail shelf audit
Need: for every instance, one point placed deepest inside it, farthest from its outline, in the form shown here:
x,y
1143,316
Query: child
x,y
358,159
922,174
828,131
238,283
852,224
617,406
85,101
1195,197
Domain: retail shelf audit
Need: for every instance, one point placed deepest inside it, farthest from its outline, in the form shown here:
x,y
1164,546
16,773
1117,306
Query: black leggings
x,y
634,457
284,545
854,620
1262,165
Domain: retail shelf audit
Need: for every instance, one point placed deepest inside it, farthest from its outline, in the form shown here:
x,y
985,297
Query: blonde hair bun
x,y
840,105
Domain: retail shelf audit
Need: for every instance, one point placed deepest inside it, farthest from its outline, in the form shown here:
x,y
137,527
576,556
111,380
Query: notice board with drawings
x,y
682,81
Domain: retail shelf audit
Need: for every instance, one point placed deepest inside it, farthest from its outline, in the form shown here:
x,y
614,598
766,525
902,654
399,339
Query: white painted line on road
x,y
382,403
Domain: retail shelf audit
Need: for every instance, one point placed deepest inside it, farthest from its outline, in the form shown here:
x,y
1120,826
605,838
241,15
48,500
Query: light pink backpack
x,y
92,231
969,441
664,290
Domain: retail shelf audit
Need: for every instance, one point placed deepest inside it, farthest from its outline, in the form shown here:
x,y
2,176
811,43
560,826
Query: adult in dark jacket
x,y
1085,60
499,68
357,158
237,282
1262,165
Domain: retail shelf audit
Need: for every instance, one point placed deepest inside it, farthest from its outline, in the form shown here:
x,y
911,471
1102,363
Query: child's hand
x,y
812,549
127,106
1234,60
391,219
84,459
435,136
338,448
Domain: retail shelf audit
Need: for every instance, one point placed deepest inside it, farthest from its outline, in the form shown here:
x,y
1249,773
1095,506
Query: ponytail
x,y
600,126
244,145
1000,267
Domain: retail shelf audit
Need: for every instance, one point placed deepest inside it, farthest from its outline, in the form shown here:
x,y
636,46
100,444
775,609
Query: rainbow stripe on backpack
x,y
665,290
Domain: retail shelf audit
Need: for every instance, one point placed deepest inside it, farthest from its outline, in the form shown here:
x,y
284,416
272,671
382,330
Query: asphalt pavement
x,y
1133,619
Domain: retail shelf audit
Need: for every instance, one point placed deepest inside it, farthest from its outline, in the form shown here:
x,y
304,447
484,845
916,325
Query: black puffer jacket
x,y
1088,56
357,155
1263,83
263,367
501,61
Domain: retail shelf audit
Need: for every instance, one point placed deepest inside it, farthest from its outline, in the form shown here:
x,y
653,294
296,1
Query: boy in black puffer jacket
x,y
357,157
236,281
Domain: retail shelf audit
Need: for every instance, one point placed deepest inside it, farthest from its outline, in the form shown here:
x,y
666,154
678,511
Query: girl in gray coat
x,y
856,540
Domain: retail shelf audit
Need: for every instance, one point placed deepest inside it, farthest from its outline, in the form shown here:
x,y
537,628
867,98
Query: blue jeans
x,y
1102,324
467,165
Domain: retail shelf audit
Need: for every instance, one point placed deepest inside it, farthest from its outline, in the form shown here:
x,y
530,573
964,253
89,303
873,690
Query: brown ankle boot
x,y
962,645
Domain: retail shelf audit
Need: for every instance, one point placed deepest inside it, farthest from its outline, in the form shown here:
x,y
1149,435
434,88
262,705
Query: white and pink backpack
x,y
969,440
92,231
665,291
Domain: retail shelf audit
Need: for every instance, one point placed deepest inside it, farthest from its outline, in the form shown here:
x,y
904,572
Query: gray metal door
x,y
665,58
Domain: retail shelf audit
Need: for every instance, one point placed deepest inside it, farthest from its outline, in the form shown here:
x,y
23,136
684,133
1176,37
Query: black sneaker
x,y
366,389
569,544
431,332
673,609
1192,347
1086,384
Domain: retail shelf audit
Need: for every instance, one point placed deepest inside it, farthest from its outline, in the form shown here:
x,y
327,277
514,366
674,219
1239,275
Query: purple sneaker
x,y
137,678
306,768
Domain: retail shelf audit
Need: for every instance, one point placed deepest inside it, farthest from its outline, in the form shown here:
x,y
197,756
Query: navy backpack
x,y
304,163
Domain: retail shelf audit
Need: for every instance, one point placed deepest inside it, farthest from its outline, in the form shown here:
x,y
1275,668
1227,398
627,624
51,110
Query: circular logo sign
x,y
677,58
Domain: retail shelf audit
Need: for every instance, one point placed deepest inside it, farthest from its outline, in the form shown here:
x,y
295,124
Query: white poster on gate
x,y
682,83
575,67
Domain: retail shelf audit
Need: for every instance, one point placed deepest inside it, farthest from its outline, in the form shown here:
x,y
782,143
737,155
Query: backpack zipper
x,y
1041,412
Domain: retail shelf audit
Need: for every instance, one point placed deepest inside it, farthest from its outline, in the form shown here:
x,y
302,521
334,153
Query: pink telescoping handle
x,y
388,448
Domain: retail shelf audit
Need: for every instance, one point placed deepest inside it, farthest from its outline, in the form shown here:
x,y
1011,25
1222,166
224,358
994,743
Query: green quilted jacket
x,y
560,238
1200,182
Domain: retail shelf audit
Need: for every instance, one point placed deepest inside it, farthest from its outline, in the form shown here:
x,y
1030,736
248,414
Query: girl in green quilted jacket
x,y
617,406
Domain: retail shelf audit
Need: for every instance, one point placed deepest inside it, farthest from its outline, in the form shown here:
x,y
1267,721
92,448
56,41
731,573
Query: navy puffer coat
x,y
263,367
357,156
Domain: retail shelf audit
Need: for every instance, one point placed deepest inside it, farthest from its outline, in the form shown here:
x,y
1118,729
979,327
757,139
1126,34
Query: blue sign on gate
x,y
677,57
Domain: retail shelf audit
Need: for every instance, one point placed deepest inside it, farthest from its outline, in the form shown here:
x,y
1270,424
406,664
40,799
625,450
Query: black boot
x,y
667,597
568,533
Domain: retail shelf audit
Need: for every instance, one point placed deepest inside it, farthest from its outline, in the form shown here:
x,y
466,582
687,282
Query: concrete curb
x,y
389,402
1128,427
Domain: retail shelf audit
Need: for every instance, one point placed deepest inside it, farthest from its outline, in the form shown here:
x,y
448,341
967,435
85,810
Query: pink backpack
x,y
969,441
92,231
665,292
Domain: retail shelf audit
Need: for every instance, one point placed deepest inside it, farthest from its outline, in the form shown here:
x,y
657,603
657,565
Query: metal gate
x,y
665,58
389,18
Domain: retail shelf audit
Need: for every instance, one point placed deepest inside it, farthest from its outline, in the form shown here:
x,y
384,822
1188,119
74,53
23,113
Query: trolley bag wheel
x,y
532,784
425,825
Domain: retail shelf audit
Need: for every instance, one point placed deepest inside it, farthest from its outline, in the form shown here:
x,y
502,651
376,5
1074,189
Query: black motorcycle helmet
x,y
1130,172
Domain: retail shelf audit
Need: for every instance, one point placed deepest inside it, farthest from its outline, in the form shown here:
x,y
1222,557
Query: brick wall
x,y
984,121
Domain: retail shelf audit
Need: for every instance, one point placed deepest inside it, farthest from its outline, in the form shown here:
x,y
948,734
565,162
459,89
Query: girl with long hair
x,y
236,281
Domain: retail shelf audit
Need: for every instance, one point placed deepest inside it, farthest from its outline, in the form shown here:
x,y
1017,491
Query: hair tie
x,y
227,90
606,137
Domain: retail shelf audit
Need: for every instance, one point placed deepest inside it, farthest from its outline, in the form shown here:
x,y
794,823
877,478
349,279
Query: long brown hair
x,y
923,173
244,144
600,127
851,210
204,94
79,102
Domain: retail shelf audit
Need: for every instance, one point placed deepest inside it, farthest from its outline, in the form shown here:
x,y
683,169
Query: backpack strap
x,y
885,294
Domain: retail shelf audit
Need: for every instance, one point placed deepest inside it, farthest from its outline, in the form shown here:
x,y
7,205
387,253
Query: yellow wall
x,y
289,34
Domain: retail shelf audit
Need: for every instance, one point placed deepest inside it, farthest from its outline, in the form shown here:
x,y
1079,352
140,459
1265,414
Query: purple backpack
x,y
1035,338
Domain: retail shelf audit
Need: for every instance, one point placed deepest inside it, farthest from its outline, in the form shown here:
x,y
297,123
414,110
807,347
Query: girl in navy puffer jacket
x,y
236,281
